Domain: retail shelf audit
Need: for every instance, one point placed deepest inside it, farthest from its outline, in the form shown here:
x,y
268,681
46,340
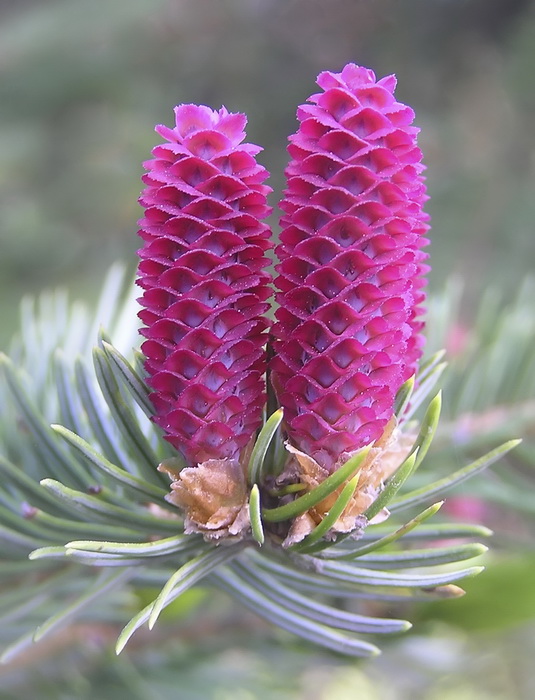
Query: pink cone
x,y
205,287
348,330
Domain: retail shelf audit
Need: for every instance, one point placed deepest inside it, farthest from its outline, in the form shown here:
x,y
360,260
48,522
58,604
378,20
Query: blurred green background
x,y
82,83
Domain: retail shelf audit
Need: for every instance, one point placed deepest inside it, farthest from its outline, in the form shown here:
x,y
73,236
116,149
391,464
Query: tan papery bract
x,y
214,497
383,459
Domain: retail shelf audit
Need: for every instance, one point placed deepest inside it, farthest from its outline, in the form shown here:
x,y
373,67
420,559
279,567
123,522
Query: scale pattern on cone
x,y
205,286
351,277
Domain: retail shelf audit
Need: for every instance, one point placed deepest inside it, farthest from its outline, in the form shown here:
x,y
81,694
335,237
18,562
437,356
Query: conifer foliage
x,y
283,508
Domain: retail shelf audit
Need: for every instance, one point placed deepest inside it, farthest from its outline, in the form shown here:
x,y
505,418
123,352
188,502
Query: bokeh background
x,y
82,83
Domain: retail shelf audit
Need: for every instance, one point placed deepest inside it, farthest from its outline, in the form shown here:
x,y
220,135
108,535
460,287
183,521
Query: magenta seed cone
x,y
202,270
351,276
